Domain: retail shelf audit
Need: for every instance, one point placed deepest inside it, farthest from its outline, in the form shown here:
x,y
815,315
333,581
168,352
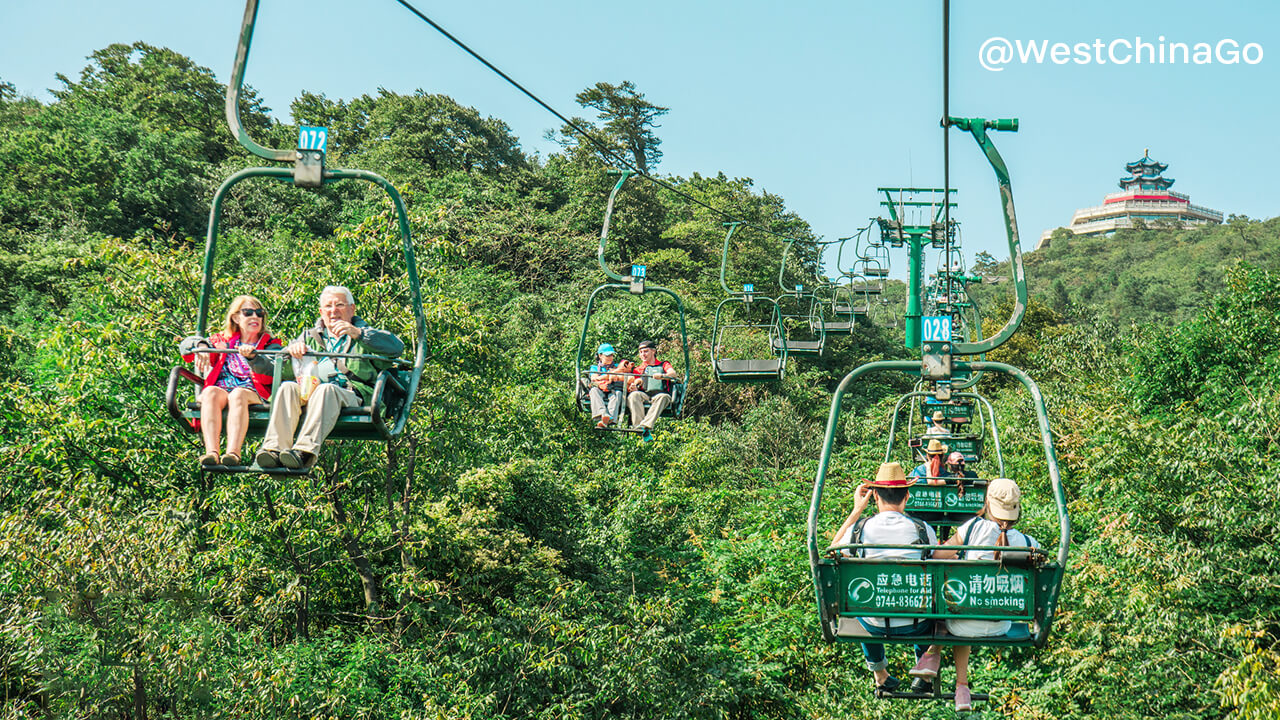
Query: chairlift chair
x,y
387,411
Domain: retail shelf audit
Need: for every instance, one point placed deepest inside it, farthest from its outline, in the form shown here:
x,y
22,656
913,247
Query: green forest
x,y
500,559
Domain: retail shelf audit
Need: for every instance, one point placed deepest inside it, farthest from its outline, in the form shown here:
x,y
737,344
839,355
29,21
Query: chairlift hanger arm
x,y
724,255
233,91
978,127
604,231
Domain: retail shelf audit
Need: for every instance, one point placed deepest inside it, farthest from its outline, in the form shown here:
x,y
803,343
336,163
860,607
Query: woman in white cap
x,y
992,526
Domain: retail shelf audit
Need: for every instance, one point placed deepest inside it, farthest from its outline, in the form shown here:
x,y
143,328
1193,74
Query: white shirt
x,y
980,531
889,527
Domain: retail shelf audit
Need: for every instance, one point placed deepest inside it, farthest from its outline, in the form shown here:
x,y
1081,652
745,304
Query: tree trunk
x,y
139,695
368,580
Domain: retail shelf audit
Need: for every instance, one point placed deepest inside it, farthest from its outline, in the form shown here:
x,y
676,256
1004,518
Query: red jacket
x,y
261,383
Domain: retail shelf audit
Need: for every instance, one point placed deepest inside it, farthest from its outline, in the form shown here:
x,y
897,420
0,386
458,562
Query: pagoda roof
x,y
1162,182
1145,163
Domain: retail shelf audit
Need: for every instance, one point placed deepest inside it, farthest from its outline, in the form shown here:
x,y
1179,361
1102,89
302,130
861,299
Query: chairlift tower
x,y
917,217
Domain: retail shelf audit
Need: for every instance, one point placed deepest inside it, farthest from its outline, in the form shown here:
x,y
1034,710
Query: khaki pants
x,y
657,403
602,406
323,406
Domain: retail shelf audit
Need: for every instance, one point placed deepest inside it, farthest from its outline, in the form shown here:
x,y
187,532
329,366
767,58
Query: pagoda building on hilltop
x,y
1144,196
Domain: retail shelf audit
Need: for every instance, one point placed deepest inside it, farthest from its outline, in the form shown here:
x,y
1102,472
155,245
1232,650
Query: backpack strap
x,y
856,536
922,536
967,534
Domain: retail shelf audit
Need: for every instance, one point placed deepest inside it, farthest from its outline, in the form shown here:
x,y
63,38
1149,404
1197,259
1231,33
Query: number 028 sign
x,y
937,328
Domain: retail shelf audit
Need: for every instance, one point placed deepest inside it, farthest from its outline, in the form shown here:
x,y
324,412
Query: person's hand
x,y
297,349
862,498
220,344
203,364
248,351
342,327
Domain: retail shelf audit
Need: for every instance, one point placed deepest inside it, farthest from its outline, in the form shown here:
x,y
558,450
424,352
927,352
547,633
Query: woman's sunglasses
x,y
250,312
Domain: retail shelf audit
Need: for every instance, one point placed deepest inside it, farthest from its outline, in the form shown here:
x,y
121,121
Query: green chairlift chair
x,y
636,285
387,411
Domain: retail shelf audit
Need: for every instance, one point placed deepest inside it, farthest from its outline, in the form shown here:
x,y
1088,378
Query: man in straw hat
x,y
889,526
992,527
931,471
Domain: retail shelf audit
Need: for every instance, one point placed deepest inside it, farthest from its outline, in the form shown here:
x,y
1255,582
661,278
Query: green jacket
x,y
360,374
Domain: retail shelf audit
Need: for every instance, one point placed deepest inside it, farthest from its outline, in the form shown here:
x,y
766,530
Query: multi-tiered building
x,y
1144,196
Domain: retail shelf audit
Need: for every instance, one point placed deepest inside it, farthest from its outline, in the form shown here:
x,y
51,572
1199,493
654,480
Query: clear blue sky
x,y
819,101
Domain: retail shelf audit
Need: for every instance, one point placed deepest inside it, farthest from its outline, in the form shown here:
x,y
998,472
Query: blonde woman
x,y
234,381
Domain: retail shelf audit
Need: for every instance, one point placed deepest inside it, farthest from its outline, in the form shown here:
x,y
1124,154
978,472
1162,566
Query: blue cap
x,y
605,349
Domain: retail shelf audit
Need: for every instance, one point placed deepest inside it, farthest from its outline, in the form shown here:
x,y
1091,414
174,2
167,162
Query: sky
x,y
817,101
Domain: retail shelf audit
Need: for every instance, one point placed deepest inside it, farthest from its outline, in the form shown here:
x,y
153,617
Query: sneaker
x,y
647,436
927,666
891,684
605,422
297,459
963,700
267,459
920,686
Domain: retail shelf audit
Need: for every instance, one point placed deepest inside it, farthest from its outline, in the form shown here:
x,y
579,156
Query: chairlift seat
x,y
806,348
950,504
745,371
672,409
362,422
838,327
970,446
1023,592
1019,634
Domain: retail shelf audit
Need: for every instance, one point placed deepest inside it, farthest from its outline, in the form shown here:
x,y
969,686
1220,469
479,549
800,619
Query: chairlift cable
x,y
576,128
946,136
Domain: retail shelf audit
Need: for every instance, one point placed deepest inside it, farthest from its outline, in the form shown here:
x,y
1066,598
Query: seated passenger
x,y
955,466
342,382
653,386
232,381
606,387
889,526
932,472
992,526
939,425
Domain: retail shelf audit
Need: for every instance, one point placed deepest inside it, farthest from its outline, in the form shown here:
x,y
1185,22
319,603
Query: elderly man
x,y
343,382
653,386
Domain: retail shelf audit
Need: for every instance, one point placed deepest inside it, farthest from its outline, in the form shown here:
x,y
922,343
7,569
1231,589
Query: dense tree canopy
x,y
500,560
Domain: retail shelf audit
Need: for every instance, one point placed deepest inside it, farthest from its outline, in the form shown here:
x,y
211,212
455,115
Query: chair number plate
x,y
313,138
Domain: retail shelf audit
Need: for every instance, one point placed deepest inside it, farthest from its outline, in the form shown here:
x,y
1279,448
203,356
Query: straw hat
x,y
1004,500
890,475
936,448
938,416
